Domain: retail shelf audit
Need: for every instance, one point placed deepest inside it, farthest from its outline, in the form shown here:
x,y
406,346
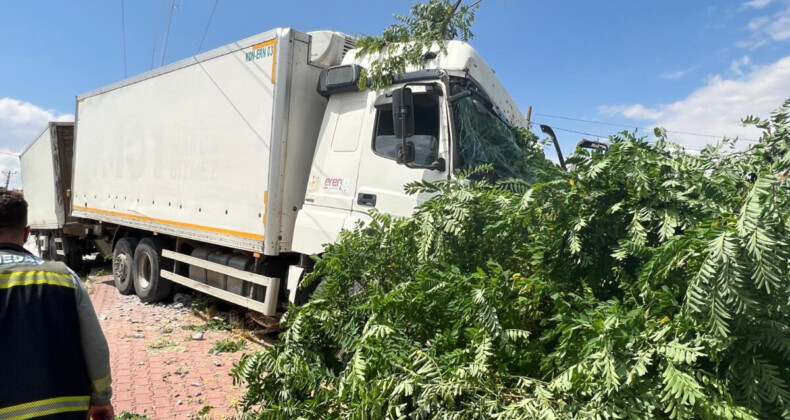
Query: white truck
x,y
226,171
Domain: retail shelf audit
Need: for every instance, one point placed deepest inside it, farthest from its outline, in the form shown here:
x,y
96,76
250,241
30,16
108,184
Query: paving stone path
x,y
158,369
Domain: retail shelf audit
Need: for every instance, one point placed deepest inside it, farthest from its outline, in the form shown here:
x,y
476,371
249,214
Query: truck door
x,y
333,178
334,173
381,179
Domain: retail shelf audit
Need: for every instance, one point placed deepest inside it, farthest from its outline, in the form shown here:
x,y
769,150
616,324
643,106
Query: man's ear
x,y
27,234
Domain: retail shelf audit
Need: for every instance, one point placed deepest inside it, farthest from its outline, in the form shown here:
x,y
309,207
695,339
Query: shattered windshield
x,y
483,138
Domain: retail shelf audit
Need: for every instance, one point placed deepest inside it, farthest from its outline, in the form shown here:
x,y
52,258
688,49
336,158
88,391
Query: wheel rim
x,y
120,266
144,271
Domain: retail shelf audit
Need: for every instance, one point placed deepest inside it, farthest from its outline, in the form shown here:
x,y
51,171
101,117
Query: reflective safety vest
x,y
42,367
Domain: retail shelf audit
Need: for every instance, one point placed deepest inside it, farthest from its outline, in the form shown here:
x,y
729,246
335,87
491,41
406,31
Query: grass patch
x,y
126,415
213,324
228,346
203,414
166,329
163,345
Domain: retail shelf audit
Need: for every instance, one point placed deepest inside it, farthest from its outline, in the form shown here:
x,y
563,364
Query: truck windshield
x,y
483,137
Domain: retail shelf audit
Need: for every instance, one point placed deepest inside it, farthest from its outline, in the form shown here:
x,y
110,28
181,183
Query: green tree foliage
x,y
647,283
405,43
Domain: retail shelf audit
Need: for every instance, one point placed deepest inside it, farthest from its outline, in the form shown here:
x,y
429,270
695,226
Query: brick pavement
x,y
170,382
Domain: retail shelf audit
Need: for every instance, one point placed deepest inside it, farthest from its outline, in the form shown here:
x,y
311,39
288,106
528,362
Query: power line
x,y
167,33
216,2
587,121
9,153
641,128
603,136
156,37
123,28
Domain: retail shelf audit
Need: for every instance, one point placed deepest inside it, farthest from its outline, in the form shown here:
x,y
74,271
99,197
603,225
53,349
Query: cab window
x,y
426,131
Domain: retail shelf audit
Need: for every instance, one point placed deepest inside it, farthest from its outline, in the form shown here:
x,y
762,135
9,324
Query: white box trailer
x,y
214,148
227,171
46,180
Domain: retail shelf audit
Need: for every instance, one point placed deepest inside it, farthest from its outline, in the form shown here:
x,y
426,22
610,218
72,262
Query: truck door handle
x,y
366,199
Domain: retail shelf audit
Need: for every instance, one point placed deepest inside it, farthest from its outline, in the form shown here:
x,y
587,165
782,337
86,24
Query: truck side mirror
x,y
403,113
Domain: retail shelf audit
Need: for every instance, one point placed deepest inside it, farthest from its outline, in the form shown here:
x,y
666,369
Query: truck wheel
x,y
150,287
122,258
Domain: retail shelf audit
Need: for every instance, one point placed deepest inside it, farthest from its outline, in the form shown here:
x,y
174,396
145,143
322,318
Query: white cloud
x,y
751,43
678,74
757,4
718,107
20,123
635,112
779,29
737,66
763,29
674,75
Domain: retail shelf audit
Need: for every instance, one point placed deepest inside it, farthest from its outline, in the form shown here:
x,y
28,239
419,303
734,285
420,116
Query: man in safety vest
x,y
54,359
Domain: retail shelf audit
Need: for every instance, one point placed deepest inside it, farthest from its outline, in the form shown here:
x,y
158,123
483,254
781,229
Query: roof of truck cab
x,y
460,57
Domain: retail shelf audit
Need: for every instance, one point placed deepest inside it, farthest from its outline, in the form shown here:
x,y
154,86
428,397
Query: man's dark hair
x,y
13,210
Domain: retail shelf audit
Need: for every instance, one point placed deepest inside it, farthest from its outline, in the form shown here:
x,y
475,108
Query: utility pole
x,y
8,174
529,116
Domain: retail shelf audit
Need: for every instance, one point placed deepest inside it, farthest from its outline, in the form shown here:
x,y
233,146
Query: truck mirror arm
x,y
438,165
459,96
546,129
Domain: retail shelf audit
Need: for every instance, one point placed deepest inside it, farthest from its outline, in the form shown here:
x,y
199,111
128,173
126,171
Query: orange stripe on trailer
x,y
272,42
265,206
174,223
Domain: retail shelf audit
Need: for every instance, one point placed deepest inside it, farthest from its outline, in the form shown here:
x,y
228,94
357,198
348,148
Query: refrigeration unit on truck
x,y
226,171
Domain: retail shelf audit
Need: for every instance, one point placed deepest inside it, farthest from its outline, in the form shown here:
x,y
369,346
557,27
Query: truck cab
x,y
461,116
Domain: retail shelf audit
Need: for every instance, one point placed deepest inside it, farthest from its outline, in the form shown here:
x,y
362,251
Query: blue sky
x,y
691,66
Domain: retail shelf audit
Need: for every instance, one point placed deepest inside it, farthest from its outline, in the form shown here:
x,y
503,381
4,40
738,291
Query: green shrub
x,y
647,283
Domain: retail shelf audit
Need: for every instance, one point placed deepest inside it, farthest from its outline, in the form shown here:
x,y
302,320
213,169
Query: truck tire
x,y
122,258
150,287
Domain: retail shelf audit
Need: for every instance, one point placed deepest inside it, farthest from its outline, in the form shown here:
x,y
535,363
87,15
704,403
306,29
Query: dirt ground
x,y
160,368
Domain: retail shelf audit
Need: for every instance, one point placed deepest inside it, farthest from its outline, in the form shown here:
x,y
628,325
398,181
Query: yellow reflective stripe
x,y
49,412
31,282
44,407
43,402
27,278
102,384
26,273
